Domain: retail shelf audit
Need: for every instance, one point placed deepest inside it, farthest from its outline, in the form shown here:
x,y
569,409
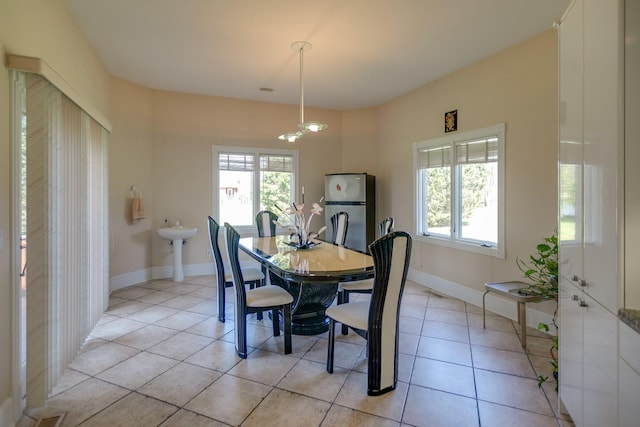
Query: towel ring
x,y
134,192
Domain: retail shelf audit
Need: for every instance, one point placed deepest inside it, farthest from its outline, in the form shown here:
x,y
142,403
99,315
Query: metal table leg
x,y
484,325
522,319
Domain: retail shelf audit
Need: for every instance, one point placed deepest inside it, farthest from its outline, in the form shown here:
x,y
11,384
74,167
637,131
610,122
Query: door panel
x,y
602,94
346,188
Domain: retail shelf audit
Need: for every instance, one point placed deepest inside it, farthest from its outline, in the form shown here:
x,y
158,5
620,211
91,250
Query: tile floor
x,y
159,357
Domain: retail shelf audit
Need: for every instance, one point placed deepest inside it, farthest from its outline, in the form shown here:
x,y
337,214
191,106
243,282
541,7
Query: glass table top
x,y
324,260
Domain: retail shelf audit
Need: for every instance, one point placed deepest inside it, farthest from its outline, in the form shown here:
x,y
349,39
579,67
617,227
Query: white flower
x,y
300,230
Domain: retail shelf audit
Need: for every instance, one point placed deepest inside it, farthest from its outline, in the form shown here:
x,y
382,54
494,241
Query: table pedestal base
x,y
310,301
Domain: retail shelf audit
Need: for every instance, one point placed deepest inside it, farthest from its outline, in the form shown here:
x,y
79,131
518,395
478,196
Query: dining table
x,y
310,275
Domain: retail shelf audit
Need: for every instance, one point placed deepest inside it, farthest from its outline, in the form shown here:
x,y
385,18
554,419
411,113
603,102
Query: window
x,y
251,179
460,190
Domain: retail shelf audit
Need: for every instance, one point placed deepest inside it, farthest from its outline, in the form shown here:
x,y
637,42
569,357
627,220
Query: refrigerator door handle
x,y
334,203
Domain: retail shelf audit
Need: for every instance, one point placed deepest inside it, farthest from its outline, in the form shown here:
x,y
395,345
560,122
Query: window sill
x,y
493,251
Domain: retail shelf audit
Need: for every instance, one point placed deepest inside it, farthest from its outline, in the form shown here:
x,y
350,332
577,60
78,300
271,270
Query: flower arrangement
x,y
301,237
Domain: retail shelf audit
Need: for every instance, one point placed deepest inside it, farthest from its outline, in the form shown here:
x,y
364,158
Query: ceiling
x,y
365,52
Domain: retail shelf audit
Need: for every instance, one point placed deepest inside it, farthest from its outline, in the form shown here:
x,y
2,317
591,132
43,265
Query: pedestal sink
x,y
177,235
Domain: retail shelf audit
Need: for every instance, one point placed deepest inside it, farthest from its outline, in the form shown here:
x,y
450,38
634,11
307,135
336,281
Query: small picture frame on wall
x,y
451,121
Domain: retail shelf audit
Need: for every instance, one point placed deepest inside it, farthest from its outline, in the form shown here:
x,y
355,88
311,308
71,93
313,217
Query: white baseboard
x,y
494,303
190,270
6,413
128,279
165,272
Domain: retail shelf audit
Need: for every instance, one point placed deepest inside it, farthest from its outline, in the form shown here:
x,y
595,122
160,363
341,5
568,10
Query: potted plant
x,y
542,270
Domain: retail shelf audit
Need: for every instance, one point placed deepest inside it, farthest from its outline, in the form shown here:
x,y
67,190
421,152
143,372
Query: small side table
x,y
512,290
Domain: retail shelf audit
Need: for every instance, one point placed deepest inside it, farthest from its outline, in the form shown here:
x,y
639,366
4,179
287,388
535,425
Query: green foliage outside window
x,y
275,190
476,182
476,179
438,197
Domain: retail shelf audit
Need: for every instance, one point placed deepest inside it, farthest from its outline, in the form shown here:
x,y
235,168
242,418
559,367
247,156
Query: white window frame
x,y
454,241
250,230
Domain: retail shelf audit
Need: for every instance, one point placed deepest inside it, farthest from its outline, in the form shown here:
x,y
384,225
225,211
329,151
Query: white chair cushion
x,y
357,285
268,296
248,274
354,314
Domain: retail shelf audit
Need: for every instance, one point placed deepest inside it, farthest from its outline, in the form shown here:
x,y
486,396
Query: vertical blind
x,y
67,229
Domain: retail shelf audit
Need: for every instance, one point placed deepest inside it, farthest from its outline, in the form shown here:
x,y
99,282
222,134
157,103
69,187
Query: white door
x,y
602,127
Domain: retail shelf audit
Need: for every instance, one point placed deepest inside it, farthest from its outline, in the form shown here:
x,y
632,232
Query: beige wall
x,y
161,143
518,87
130,164
38,28
359,134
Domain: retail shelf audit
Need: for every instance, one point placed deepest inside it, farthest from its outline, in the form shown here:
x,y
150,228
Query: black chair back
x,y
385,226
240,323
233,242
214,231
265,224
340,224
391,255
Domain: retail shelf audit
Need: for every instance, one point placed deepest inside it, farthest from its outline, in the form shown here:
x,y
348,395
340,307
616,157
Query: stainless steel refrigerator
x,y
355,194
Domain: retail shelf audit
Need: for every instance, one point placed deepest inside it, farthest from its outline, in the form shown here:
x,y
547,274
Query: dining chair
x,y
265,223
269,297
385,226
251,276
377,320
366,285
340,224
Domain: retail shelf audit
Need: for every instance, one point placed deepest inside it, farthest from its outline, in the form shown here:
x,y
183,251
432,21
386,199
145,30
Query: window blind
x,y
236,162
435,157
276,163
483,150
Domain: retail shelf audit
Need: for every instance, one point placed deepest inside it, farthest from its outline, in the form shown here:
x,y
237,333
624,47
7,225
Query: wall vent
x,y
52,421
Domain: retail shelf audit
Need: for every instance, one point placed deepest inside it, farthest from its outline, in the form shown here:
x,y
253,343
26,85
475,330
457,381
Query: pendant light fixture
x,y
303,127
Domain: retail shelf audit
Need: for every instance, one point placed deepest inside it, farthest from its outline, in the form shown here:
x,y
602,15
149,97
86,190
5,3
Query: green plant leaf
x,y
542,271
541,380
543,327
